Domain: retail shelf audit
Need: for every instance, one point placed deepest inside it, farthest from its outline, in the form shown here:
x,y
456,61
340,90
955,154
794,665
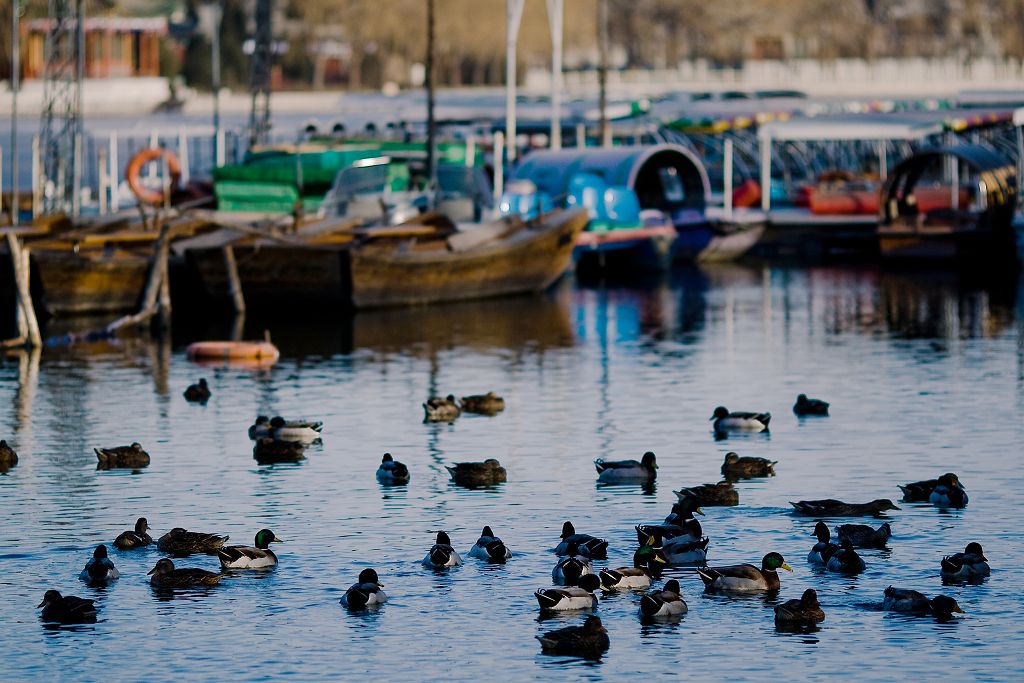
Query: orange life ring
x,y
227,350
133,174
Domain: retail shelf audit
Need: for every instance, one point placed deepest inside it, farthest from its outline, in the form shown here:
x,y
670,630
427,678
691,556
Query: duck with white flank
x,y
948,493
667,602
571,567
588,641
747,467
366,592
67,609
837,508
724,421
588,545
442,555
969,565
845,560
130,457
864,536
823,550
99,569
489,547
129,540
627,471
572,597
391,471
921,491
806,610
280,429
438,409
682,551
810,406
912,602
679,524
259,556
745,578
648,561
164,575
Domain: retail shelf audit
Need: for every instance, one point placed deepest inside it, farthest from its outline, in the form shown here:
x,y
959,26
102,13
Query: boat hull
x,y
90,281
626,250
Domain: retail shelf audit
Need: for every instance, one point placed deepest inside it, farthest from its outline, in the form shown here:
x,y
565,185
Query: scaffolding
x,y
259,73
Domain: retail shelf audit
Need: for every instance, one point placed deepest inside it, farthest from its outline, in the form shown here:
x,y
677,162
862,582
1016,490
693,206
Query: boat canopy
x,y
665,177
852,127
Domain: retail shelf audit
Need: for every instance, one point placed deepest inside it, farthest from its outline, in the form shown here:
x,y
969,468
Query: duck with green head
x,y
745,578
969,565
259,556
648,562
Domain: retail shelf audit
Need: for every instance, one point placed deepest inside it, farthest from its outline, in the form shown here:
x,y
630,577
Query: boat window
x,y
671,184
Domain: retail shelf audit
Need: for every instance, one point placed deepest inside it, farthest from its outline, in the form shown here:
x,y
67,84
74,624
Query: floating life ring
x,y
255,352
133,174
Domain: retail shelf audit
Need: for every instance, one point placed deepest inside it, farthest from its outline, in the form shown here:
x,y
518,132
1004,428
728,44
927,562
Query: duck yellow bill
x,y
698,511
276,540
787,567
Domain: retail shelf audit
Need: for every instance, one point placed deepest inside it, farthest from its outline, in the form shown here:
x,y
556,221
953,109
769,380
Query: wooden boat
x,y
974,223
506,256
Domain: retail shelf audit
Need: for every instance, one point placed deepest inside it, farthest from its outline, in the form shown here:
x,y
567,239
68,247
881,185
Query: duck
x,y
280,429
438,409
198,392
122,456
259,556
823,549
682,514
8,458
968,565
745,578
473,474
99,569
725,421
130,540
573,597
810,406
864,536
489,547
722,494
164,575
67,609
180,542
589,640
442,555
684,551
588,545
482,404
845,560
268,451
948,493
627,471
647,562
921,491
664,603
391,471
747,467
837,508
805,610
366,592
664,532
912,602
571,567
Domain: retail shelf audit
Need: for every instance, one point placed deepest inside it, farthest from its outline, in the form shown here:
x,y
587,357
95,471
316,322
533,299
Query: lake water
x,y
925,374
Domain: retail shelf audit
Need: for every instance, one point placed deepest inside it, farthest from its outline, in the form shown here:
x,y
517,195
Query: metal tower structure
x,y
60,136
259,73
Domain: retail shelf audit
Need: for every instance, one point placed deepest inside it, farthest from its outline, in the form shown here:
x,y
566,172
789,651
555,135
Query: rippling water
x,y
925,375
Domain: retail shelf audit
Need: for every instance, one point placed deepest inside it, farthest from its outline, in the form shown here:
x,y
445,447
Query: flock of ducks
x,y
678,541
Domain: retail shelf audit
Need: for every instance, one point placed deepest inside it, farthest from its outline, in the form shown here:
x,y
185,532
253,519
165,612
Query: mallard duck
x,y
823,549
571,567
724,421
391,471
810,406
837,508
647,562
246,557
845,560
747,467
921,491
968,565
99,569
627,471
130,540
712,495
680,550
280,429
664,603
8,458
863,536
438,409
68,609
198,392
442,555
682,514
806,610
366,592
745,578
589,640
578,596
948,493
489,547
473,474
122,456
664,532
912,602
268,451
596,548
179,542
482,404
164,575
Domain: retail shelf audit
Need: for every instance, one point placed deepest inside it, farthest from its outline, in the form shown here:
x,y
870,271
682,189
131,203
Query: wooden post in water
x,y
234,281
28,325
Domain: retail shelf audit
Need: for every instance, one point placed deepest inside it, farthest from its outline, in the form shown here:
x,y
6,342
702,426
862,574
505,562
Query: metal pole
x,y
429,82
218,153
602,71
499,167
883,161
556,20
15,86
79,128
115,176
766,174
727,191
513,16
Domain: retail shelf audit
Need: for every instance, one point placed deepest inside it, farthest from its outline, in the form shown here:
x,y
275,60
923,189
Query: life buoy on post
x,y
133,174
